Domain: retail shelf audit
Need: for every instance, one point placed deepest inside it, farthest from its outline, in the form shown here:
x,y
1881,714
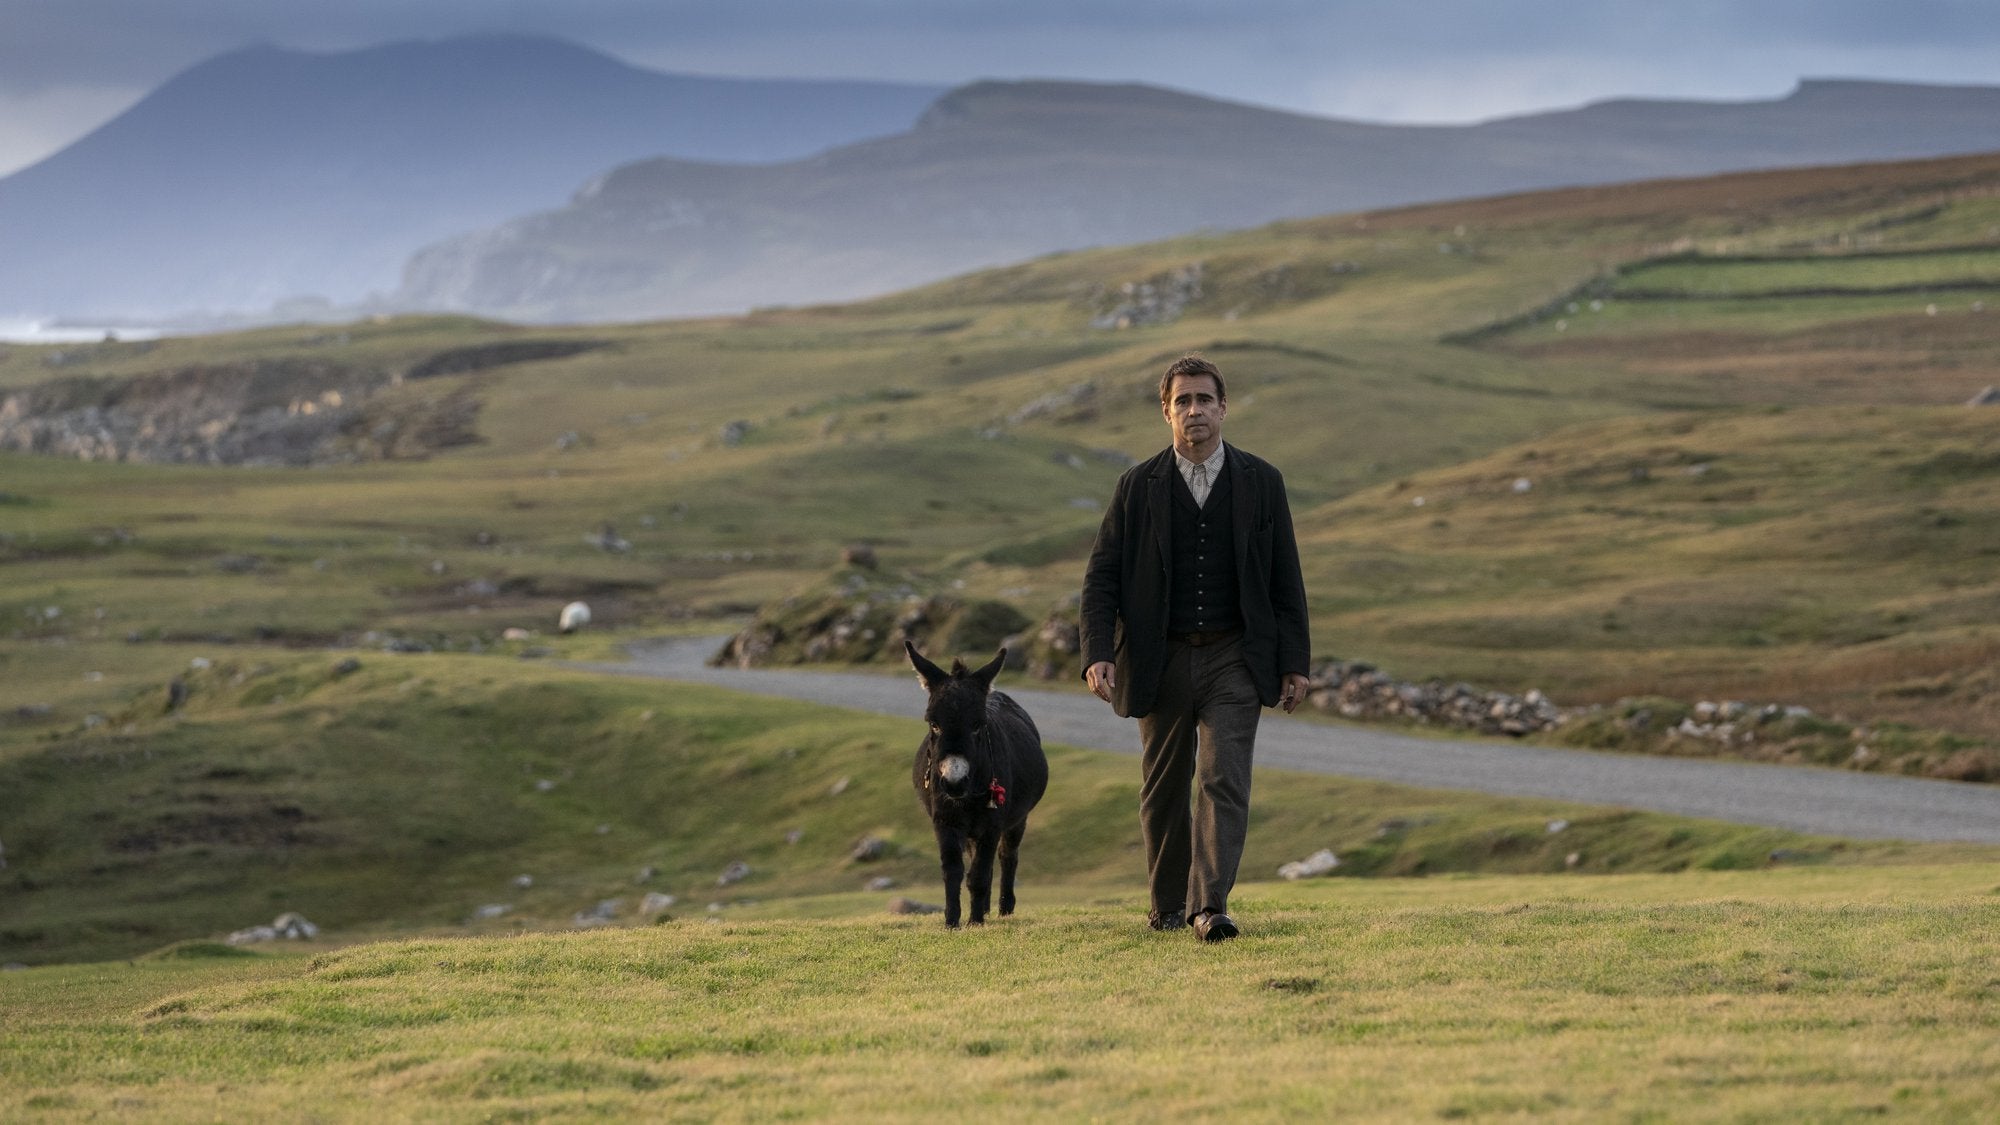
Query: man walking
x,y
1194,617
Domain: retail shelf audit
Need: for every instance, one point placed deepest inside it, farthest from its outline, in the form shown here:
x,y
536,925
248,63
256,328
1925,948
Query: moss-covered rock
x,y
860,615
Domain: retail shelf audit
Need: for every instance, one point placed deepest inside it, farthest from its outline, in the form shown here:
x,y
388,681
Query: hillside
x,y
996,172
1738,486
737,457
285,783
268,175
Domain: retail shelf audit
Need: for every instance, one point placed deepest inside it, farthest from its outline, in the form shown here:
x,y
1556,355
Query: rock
x,y
646,874
858,554
346,667
735,873
1159,299
655,902
837,788
734,432
794,836
492,910
1360,691
524,881
912,906
604,911
290,926
515,633
544,785
293,925
1988,397
1318,863
13,967
608,539
1573,860
868,849
1557,825
1069,404
881,883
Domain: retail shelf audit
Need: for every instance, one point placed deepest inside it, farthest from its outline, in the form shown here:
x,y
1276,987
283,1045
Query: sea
x,y
16,331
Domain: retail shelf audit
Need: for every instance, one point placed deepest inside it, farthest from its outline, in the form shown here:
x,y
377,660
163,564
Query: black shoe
x,y
1172,921
1214,925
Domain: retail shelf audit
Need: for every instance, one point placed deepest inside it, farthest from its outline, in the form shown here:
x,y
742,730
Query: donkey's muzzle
x,y
955,776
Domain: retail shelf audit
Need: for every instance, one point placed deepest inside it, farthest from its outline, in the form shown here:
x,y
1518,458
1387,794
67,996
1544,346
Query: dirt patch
x,y
270,826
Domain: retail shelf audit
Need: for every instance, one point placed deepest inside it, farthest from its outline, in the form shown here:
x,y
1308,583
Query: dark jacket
x,y
1127,583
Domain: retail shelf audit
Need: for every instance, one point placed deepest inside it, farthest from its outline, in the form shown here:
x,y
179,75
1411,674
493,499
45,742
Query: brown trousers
x,y
1198,736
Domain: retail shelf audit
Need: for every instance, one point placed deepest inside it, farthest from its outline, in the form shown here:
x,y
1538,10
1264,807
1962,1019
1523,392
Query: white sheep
x,y
575,616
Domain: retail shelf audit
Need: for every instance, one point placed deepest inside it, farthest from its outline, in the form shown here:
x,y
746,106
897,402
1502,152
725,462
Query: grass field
x,y
1824,994
1824,274
403,795
1771,497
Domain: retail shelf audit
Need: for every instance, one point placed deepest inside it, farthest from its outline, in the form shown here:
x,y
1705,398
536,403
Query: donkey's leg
x,y
981,877
1010,857
951,856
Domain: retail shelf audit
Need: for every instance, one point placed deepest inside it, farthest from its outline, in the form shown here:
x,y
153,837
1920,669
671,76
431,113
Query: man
x,y
1194,617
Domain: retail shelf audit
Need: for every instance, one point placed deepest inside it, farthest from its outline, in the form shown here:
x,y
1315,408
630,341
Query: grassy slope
x,y
401,796
1833,553
1829,995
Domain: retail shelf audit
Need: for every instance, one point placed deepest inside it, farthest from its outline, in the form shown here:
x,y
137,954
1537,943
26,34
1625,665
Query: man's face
x,y
1194,411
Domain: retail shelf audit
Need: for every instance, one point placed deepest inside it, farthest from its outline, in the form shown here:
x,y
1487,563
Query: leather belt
x,y
1202,640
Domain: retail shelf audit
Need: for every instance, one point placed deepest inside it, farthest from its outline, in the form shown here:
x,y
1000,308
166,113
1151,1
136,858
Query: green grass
x,y
1858,273
1812,527
401,796
1821,994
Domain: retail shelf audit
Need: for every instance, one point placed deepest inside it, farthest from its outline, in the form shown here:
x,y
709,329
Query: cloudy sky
x,y
68,65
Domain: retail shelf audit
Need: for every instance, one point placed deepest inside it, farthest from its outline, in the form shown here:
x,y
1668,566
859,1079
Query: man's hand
x,y
1102,677
1293,692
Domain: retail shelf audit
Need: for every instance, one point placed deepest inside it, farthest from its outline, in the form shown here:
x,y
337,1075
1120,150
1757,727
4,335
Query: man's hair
x,y
1192,365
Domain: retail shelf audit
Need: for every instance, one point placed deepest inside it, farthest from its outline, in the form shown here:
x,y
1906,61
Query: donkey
x,y
978,774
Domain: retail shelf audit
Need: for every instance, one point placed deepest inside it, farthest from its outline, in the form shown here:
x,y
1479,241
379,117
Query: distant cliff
x,y
280,411
996,172
267,175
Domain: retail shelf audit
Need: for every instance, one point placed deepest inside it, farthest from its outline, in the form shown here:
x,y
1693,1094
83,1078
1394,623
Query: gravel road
x,y
1805,799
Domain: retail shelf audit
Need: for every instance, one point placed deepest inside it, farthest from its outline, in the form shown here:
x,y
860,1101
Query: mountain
x,y
265,174
997,171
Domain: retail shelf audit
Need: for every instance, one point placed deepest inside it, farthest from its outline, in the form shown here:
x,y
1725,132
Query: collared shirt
x,y
1200,475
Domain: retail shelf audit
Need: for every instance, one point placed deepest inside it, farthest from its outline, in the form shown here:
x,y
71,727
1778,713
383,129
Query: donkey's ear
x,y
985,675
928,674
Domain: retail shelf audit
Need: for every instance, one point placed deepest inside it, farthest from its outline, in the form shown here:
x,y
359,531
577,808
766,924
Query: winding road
x,y
1804,799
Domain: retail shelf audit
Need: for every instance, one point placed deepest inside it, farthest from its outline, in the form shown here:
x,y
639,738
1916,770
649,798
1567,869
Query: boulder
x,y
1318,863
